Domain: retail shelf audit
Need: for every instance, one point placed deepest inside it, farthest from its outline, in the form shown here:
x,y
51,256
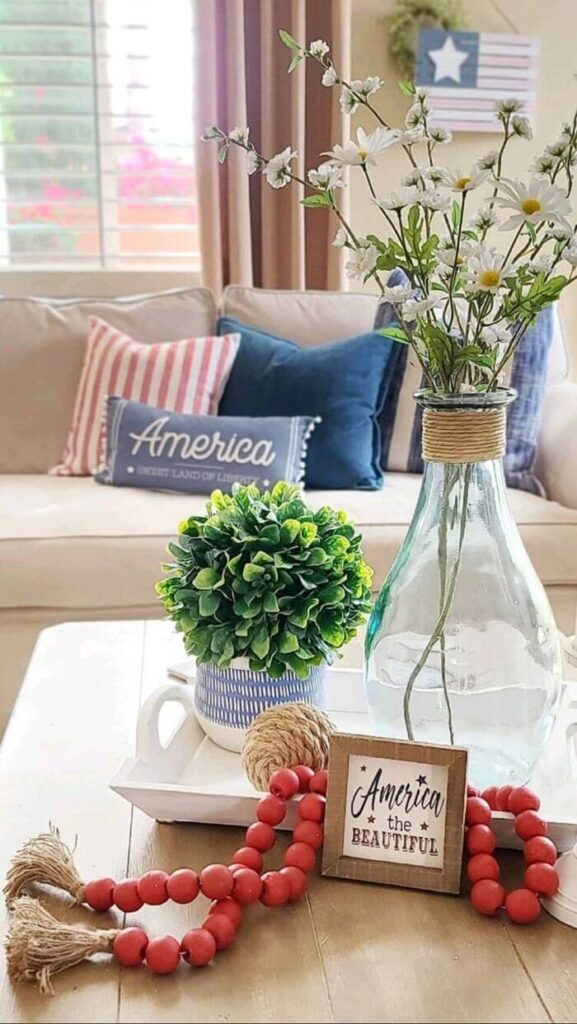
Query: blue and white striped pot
x,y
227,700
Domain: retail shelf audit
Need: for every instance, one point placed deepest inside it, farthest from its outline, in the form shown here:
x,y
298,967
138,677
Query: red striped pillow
x,y
180,376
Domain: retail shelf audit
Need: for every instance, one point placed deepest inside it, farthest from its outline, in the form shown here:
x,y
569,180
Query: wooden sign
x,y
395,812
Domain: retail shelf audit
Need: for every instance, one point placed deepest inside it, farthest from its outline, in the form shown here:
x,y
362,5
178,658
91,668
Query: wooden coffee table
x,y
350,952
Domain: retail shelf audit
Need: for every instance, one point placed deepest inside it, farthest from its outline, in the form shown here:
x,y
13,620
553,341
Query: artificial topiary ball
x,y
263,576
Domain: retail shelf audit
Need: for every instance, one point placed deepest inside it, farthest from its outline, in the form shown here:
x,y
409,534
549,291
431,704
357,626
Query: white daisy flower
x,y
327,176
421,93
253,161
433,174
412,136
570,253
442,135
434,199
536,202
399,198
349,103
497,334
362,261
397,293
508,106
448,254
330,77
486,270
318,48
542,262
461,181
366,148
557,148
544,163
277,170
414,115
487,162
560,232
414,177
239,135
416,307
521,126
340,239
367,86
567,129
484,219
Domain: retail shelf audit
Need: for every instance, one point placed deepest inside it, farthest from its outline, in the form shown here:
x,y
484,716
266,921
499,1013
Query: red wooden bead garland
x,y
261,836
182,886
163,954
152,888
130,946
223,929
249,857
198,947
99,893
125,896
305,775
487,895
216,881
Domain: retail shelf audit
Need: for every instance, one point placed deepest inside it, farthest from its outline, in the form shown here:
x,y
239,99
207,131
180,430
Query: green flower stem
x,y
439,627
448,484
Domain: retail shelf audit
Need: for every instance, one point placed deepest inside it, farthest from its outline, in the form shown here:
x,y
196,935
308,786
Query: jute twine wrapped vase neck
x,y
462,646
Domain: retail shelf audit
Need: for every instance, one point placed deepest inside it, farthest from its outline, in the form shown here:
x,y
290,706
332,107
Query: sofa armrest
x,y
556,458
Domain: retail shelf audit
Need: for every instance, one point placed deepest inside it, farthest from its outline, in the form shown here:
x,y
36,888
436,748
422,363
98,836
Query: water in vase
x,y
489,679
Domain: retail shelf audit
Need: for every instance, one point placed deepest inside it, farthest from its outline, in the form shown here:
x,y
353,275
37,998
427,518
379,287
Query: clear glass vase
x,y
462,647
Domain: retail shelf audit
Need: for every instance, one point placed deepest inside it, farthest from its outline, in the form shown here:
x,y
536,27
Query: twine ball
x,y
285,735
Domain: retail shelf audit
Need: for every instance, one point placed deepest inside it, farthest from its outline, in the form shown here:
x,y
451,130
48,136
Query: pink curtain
x,y
249,232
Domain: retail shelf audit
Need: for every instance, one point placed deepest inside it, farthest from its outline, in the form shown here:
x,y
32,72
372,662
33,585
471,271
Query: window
x,y
97,135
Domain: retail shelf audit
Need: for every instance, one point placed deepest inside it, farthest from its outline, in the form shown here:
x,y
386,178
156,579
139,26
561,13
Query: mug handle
x,y
148,745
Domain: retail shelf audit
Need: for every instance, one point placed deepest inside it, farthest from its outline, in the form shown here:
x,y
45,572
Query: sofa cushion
x,y
42,346
188,375
309,318
344,383
66,542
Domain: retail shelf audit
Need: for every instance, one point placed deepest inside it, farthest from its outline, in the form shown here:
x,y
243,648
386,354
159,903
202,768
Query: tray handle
x,y
148,745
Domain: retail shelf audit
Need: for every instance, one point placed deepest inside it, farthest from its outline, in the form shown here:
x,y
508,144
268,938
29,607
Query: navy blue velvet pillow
x,y
343,382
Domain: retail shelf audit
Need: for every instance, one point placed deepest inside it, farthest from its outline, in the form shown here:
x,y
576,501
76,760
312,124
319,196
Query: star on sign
x,y
448,61
424,826
370,819
363,767
422,780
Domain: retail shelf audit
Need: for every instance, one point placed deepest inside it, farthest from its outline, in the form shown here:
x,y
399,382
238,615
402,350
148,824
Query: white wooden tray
x,y
186,777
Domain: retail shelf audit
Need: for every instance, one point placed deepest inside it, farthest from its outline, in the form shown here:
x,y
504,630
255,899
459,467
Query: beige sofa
x,y
72,549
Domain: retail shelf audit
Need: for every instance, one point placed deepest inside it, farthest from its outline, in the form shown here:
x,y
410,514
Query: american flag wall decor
x,y
466,73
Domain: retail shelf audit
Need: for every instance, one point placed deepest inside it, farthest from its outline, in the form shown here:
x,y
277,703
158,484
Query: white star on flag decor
x,y
467,73
448,61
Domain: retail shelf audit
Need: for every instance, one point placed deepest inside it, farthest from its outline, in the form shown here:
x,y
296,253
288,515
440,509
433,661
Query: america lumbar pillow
x,y
157,449
181,376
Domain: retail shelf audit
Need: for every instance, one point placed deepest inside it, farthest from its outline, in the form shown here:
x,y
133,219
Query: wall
x,y
554,21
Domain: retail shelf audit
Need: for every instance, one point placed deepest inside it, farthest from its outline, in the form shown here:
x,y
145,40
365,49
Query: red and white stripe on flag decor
x,y
180,376
467,73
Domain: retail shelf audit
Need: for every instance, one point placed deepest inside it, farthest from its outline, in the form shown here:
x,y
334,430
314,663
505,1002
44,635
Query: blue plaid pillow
x,y
401,418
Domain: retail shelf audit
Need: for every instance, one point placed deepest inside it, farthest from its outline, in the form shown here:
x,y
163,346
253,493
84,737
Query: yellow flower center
x,y
363,154
530,206
462,182
489,278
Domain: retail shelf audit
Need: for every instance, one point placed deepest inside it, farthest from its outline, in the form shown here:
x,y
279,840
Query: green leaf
x,y
288,642
331,595
270,603
252,572
206,579
260,643
223,153
298,57
319,199
331,632
289,40
290,530
407,88
309,533
208,603
396,333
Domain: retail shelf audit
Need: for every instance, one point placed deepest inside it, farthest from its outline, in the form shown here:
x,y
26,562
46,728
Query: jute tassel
x,y
38,946
47,860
